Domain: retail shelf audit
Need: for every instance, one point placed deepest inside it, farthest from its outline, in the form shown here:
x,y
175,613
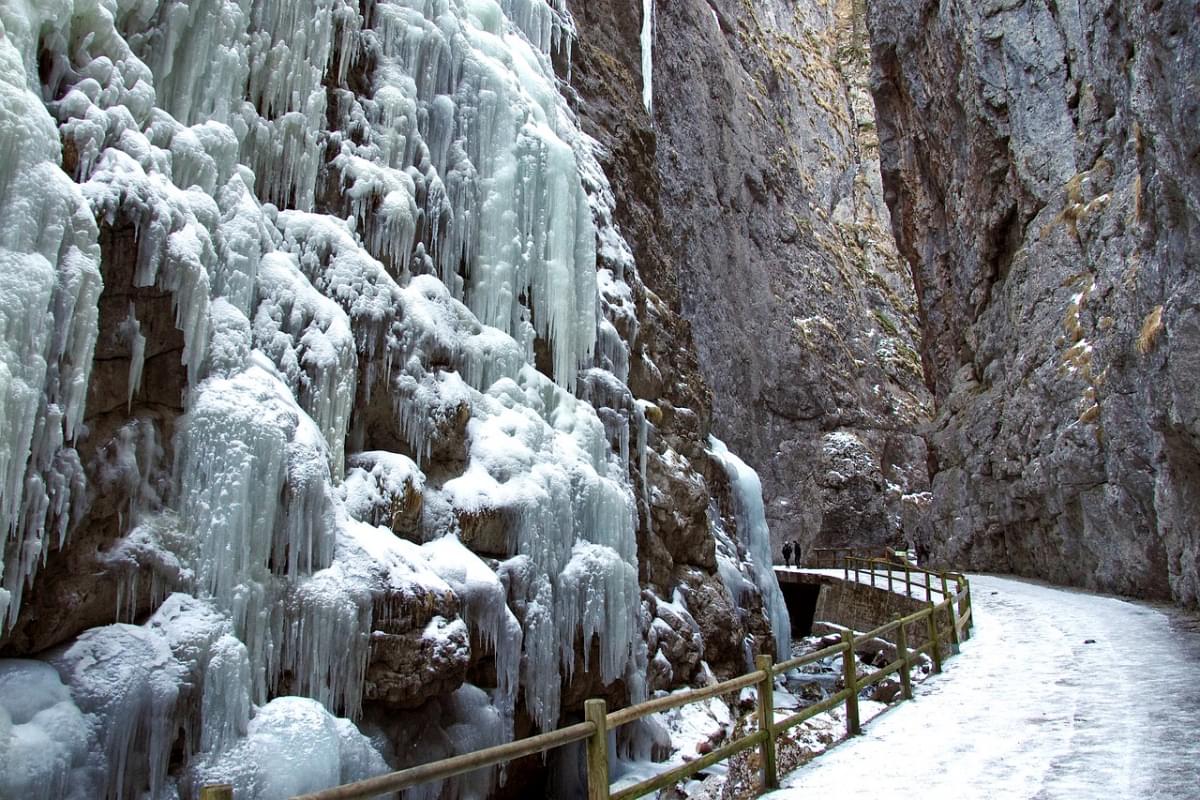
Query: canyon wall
x,y
772,214
1042,167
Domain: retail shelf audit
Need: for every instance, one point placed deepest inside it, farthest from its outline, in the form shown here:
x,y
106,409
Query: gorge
x,y
380,379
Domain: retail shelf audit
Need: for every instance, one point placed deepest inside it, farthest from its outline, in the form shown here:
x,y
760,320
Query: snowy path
x,y
1118,718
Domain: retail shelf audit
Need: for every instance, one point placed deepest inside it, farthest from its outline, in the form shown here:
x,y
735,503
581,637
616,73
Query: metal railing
x,y
598,721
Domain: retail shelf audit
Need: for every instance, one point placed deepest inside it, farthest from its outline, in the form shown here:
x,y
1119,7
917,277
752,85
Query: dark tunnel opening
x,y
801,599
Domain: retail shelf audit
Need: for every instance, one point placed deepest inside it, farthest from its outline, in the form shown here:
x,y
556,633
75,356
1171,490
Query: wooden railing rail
x,y
598,722
932,582
631,713
832,557
457,765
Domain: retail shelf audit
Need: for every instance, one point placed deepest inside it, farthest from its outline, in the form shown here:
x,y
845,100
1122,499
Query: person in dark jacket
x,y
787,554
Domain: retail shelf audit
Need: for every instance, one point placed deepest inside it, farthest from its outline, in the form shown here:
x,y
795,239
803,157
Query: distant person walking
x,y
787,554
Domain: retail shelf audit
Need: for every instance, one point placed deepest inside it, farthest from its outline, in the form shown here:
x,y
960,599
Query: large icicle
x,y
49,287
752,530
647,39
241,440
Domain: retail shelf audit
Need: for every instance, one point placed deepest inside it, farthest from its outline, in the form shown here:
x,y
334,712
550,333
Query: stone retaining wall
x,y
854,605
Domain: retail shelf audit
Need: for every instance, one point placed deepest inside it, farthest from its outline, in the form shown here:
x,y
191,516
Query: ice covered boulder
x,y
127,680
419,646
384,488
44,738
293,746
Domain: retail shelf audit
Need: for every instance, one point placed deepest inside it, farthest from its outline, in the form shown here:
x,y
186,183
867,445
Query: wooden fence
x,y
952,587
940,641
834,557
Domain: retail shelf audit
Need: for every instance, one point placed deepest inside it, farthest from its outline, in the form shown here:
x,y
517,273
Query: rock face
x,y
684,492
772,212
1042,169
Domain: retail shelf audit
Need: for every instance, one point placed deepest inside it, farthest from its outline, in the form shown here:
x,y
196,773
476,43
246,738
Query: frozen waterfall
x,y
752,530
306,341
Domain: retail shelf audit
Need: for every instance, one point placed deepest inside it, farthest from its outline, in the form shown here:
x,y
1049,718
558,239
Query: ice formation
x,y
371,221
49,287
647,39
752,530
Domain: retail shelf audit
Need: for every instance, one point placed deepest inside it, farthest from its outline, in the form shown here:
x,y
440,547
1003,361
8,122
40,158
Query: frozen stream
x,y
1031,709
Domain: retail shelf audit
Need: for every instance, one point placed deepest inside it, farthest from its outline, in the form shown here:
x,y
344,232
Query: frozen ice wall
x,y
388,465
49,286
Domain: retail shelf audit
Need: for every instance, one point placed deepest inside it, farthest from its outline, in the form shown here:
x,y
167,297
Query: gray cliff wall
x,y
803,313
1042,165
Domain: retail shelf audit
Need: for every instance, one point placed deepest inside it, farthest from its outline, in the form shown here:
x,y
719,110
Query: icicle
x,y
647,39
643,449
243,445
326,640
131,331
598,592
485,610
475,725
225,701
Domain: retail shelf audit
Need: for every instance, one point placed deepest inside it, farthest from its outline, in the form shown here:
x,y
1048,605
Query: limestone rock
x,y
674,642
802,310
712,607
409,668
1041,170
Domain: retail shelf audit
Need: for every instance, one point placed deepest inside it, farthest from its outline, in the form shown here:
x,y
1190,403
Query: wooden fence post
x,y
928,589
766,722
952,610
902,651
971,621
935,648
907,581
597,749
850,678
220,791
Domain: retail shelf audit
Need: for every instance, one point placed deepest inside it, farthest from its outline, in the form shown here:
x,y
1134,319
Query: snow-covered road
x,y
1059,695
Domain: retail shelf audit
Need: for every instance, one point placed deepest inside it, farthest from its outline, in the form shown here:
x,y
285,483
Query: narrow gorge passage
x,y
1059,694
